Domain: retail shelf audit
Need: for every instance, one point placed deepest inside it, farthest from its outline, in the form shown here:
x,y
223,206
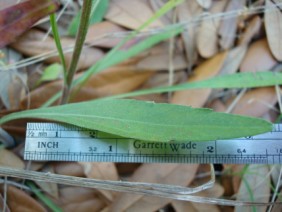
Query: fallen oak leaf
x,y
16,19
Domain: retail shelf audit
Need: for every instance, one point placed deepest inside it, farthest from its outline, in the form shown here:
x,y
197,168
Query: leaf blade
x,y
237,80
150,121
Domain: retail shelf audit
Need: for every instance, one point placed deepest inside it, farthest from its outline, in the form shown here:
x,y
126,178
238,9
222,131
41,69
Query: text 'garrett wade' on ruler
x,y
57,142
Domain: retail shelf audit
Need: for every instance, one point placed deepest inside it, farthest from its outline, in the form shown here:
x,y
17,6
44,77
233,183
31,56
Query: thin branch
x,y
157,190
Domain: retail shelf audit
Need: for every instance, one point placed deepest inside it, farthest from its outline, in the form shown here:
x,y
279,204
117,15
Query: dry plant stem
x,y
82,31
158,190
276,191
171,52
5,194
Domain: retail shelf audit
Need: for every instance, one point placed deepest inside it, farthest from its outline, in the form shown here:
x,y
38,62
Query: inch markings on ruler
x,y
59,142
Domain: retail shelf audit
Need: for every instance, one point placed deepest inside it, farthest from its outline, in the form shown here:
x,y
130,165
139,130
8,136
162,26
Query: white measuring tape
x,y
58,142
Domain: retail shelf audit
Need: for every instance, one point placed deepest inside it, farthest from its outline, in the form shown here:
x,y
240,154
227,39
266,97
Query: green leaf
x,y
97,15
122,55
52,72
237,80
150,121
46,200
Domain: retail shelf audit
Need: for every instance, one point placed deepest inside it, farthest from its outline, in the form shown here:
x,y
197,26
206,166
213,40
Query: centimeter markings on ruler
x,y
58,142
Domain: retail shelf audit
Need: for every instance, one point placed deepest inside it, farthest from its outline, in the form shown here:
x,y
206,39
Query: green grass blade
x,y
122,55
58,42
100,8
114,54
237,80
150,121
48,202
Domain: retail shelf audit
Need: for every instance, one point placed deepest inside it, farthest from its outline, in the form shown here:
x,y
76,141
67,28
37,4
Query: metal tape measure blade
x,y
59,142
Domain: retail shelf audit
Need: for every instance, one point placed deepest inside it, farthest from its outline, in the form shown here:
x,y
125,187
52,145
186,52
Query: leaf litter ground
x,y
217,40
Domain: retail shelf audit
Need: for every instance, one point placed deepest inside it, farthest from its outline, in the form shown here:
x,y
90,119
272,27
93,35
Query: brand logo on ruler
x,y
50,141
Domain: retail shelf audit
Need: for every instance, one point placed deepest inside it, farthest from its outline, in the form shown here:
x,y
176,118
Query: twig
x,y
235,101
157,190
276,189
5,195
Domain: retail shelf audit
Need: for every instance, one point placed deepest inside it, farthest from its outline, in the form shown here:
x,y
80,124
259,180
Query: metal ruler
x,y
58,142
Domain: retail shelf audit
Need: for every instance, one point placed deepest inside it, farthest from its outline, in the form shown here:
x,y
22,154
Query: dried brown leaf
x,y
258,57
2,203
228,27
9,159
156,5
273,26
217,105
115,80
207,69
256,102
80,199
233,60
161,62
100,34
7,3
255,186
70,194
253,28
180,206
19,201
207,39
127,13
12,82
102,171
69,168
32,44
17,19
161,79
205,3
93,205
186,12
49,188
155,173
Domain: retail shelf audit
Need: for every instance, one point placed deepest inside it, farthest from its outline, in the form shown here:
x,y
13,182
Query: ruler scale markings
x,y
51,141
